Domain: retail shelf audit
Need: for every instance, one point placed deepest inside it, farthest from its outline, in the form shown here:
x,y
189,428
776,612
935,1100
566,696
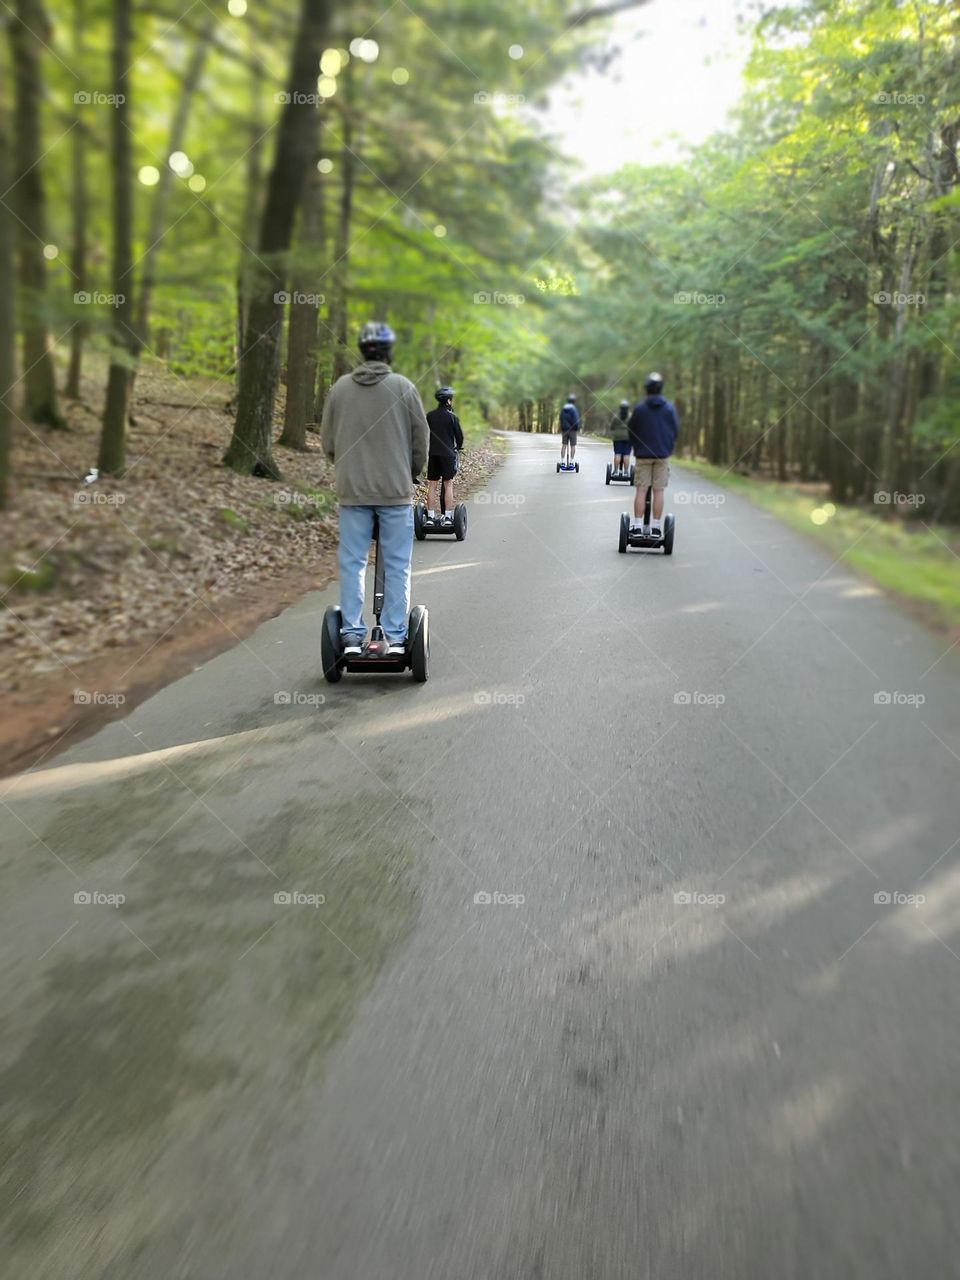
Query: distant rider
x,y
653,428
621,437
569,426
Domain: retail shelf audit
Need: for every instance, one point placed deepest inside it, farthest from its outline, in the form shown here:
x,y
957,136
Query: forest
x,y
230,193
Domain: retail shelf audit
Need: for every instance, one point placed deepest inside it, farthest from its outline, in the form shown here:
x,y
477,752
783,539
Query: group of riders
x,y
648,430
379,438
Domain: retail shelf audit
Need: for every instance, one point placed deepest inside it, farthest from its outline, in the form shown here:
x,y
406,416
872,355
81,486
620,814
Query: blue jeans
x,y
396,547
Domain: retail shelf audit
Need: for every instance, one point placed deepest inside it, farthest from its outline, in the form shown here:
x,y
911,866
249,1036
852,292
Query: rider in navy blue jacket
x,y
653,428
569,426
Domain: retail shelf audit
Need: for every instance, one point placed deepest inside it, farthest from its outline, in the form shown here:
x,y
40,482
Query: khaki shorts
x,y
655,471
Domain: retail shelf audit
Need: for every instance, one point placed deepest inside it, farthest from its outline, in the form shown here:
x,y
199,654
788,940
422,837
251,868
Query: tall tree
x,y
7,311
124,342
250,450
304,317
79,208
29,32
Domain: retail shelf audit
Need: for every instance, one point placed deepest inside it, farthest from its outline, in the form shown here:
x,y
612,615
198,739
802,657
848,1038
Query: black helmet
x,y
444,394
571,398
654,384
624,404
376,340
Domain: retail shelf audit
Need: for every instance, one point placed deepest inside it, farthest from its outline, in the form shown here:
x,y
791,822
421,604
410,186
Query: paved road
x,y
596,1080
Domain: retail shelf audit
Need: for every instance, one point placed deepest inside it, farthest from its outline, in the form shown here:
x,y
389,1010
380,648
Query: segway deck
x,y
423,525
620,477
568,466
642,539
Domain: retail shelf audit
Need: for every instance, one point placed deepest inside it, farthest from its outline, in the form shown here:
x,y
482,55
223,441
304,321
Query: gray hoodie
x,y
375,432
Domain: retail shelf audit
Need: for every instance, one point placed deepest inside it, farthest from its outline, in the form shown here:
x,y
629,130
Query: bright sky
x,y
677,75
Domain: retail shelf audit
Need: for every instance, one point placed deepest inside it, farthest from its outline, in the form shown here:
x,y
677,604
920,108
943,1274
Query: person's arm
x,y
675,425
326,426
457,431
419,432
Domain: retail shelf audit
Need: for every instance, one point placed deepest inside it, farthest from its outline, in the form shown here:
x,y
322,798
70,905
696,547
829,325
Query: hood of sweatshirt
x,y
371,371
656,402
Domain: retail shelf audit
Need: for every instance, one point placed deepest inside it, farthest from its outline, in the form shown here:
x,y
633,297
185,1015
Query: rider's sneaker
x,y
352,645
655,531
397,650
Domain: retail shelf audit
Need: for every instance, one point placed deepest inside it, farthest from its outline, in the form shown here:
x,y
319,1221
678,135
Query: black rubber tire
x,y
576,466
558,468
330,644
460,521
418,631
633,474
624,531
419,511
668,528
609,472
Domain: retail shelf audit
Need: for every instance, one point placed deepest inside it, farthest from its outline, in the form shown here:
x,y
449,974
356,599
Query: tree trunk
x,y
8,331
123,345
250,448
304,318
254,183
78,247
161,197
29,30
342,358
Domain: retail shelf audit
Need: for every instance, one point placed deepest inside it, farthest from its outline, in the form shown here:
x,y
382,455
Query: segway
x,y
617,474
568,466
642,539
422,524
375,656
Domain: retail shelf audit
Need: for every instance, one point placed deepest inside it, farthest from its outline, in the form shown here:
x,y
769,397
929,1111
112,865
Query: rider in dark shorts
x,y
446,437
569,429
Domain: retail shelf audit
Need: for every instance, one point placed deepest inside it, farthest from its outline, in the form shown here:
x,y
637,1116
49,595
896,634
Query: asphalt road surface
x,y
682,1039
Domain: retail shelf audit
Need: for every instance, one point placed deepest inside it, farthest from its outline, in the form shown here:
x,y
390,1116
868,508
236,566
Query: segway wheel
x,y
558,468
418,642
330,644
609,472
668,536
633,474
576,466
624,532
460,521
419,511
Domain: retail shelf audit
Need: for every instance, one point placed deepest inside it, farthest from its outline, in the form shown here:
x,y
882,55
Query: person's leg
x,y
661,478
563,446
356,531
573,445
657,504
641,482
433,496
396,547
448,496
